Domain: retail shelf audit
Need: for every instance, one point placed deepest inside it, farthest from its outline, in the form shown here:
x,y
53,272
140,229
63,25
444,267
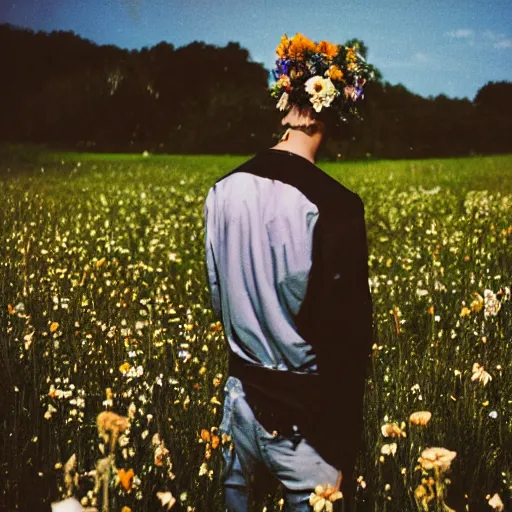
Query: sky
x,y
432,47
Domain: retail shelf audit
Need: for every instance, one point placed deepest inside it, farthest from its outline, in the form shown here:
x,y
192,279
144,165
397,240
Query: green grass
x,y
439,231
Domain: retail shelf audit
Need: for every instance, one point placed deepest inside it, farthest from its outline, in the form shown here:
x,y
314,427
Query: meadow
x,y
113,364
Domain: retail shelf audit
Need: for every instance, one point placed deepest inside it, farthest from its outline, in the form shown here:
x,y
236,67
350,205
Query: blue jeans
x,y
257,456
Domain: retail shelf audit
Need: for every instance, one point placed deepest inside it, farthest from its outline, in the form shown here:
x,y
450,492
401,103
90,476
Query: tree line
x,y
67,92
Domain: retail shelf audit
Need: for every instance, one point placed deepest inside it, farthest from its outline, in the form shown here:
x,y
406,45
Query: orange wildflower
x,y
54,326
126,478
217,326
205,435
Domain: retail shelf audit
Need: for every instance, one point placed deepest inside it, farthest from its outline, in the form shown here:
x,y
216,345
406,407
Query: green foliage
x,y
70,93
102,264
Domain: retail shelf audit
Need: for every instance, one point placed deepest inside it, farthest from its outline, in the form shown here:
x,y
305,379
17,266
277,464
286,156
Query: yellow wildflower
x,y
124,367
215,401
478,303
203,470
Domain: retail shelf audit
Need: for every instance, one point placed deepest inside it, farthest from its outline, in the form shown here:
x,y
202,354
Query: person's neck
x,y
298,142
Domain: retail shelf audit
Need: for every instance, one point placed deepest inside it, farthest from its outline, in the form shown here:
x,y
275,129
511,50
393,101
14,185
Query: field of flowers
x,y
113,365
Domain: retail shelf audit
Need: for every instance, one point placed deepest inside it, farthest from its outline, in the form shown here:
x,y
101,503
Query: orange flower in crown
x,y
299,45
328,49
335,73
282,48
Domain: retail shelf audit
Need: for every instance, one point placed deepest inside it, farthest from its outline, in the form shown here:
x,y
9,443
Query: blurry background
x,y
191,77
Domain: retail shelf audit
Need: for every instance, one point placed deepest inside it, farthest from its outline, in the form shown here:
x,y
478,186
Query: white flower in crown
x,y
322,92
283,101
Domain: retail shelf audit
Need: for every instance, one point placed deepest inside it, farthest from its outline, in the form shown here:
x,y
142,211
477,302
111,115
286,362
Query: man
x,y
286,256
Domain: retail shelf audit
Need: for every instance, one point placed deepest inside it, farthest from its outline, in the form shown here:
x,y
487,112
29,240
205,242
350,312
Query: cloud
x,y
484,38
492,36
506,43
421,57
461,33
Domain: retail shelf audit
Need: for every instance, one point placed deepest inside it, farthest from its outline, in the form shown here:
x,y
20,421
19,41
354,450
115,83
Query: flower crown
x,y
319,75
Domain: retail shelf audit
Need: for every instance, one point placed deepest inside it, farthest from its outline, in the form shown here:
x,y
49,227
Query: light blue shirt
x,y
258,246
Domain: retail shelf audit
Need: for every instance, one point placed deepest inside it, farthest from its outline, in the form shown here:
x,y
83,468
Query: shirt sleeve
x,y
211,269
